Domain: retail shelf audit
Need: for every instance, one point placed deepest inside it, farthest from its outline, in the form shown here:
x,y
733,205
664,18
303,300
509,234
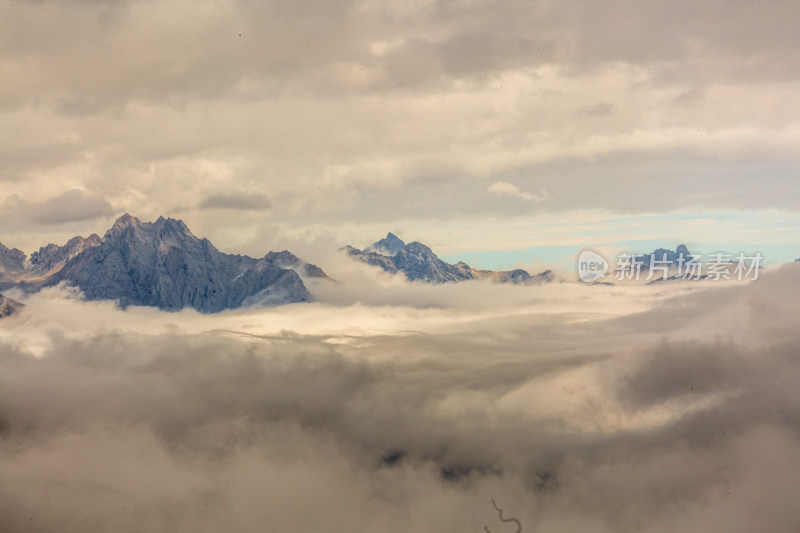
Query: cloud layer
x,y
648,410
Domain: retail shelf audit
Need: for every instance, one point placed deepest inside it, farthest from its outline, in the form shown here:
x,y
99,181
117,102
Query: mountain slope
x,y
160,264
163,264
18,270
52,257
12,261
418,263
8,306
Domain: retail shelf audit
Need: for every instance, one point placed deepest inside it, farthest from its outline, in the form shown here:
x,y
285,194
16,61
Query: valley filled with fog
x,y
394,406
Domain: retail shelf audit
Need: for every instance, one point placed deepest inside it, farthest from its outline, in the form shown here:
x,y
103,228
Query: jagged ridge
x,y
163,264
418,263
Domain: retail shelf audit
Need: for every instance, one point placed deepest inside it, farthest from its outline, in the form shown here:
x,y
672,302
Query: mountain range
x,y
160,264
417,262
163,264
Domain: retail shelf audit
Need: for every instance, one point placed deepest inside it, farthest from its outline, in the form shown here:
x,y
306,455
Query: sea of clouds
x,y
392,407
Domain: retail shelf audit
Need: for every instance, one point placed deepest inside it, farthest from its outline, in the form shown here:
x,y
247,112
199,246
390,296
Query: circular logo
x,y
591,266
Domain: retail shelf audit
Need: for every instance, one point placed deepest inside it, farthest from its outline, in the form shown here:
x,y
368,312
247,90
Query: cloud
x,y
621,414
509,190
73,205
598,110
239,201
387,114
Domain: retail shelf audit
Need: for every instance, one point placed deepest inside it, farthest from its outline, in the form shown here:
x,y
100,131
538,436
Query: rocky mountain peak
x,y
662,256
124,223
127,220
389,245
163,264
682,249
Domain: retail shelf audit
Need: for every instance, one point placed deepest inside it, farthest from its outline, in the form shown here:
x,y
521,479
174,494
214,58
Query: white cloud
x,y
509,190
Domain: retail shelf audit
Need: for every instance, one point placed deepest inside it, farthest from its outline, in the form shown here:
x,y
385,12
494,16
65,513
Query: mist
x,y
576,408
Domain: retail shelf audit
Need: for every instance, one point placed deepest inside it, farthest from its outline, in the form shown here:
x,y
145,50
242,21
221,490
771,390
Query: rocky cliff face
x,y
418,263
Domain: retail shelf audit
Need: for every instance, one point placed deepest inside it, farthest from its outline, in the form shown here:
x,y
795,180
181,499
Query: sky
x,y
485,129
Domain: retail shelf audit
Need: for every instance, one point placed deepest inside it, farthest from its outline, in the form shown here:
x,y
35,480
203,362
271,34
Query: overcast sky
x,y
473,126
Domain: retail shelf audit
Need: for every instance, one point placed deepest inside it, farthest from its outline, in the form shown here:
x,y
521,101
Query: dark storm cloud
x,y
244,201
